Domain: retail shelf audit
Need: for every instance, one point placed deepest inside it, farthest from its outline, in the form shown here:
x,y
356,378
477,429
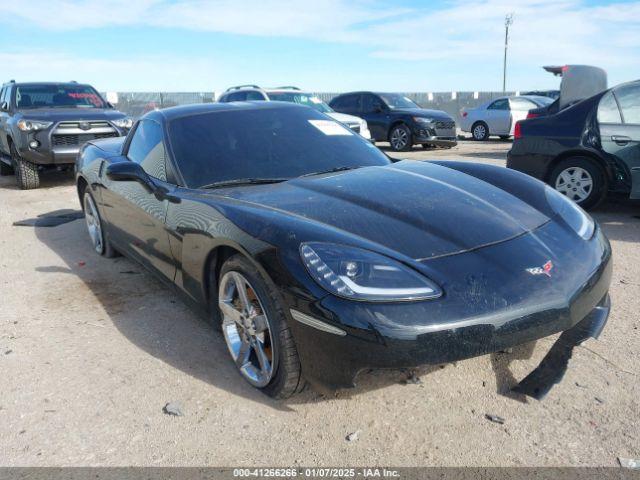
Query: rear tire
x,y
285,378
27,174
580,179
400,138
480,131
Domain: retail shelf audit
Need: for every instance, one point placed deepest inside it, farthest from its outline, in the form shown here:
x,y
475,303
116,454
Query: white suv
x,y
251,93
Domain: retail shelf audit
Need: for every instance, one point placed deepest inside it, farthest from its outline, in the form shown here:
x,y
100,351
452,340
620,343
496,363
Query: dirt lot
x,y
91,350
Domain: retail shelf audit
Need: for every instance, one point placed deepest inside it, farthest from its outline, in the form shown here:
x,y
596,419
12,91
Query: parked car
x,y
398,120
43,125
498,117
319,257
243,93
587,149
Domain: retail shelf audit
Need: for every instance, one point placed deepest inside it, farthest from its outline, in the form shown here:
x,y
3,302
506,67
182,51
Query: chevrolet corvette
x,y
319,257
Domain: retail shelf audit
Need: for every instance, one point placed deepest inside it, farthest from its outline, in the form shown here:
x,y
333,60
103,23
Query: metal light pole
x,y
508,20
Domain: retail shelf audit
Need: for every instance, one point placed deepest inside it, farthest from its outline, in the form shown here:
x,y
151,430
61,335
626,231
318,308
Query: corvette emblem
x,y
544,270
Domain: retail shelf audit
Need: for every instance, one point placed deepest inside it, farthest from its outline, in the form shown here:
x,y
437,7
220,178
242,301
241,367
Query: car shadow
x,y
48,179
619,219
153,316
500,363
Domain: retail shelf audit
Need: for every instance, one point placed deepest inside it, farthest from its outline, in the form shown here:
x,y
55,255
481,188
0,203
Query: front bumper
x,y
48,153
402,335
437,137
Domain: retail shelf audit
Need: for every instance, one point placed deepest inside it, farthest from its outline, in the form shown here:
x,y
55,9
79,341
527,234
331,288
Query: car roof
x,y
40,84
172,113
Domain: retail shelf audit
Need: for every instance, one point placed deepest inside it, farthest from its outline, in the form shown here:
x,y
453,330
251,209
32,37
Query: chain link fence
x,y
137,104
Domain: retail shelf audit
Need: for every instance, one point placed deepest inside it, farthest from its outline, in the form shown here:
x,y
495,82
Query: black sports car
x,y
320,257
586,150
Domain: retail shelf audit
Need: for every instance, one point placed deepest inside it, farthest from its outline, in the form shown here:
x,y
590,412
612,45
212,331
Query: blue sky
x,y
331,45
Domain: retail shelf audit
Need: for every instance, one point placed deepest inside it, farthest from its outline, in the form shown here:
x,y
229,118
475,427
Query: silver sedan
x,y
499,116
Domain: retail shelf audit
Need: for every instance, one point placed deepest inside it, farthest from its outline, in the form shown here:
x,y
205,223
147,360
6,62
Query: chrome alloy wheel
x,y
479,132
246,329
399,138
93,223
576,183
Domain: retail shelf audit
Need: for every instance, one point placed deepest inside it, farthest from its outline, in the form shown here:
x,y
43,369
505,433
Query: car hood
x,y
418,209
423,112
344,118
60,114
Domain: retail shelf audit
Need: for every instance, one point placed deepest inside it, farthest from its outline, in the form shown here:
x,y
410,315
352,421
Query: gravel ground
x,y
92,349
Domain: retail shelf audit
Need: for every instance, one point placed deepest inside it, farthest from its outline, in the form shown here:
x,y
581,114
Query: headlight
x,y
123,122
424,120
32,125
359,274
571,213
363,124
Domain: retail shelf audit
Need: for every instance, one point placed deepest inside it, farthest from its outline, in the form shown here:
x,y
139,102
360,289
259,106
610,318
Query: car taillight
x,y
517,131
532,115
464,114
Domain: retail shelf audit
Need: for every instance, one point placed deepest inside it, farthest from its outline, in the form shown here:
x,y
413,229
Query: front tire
x,y
400,138
480,131
256,331
27,174
100,243
580,179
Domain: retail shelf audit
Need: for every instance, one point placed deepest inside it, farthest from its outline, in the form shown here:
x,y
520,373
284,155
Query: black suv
x,y
398,120
44,125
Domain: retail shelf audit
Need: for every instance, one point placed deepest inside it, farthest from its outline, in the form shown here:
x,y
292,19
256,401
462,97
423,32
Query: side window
x,y
629,99
522,104
608,109
370,102
502,104
147,149
347,102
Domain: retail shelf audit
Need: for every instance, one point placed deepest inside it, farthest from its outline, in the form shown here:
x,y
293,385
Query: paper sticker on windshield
x,y
330,128
315,100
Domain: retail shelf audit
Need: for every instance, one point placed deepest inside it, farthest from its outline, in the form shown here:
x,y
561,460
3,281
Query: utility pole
x,y
508,20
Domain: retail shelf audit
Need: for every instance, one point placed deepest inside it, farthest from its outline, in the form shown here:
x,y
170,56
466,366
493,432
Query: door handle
x,y
620,139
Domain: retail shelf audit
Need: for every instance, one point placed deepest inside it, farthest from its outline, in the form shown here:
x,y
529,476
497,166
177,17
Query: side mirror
x,y
129,171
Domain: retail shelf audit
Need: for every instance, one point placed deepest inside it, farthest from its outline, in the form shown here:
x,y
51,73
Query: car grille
x,y
75,133
78,139
445,125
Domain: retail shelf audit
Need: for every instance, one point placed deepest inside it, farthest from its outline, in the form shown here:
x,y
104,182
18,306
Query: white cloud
x,y
464,33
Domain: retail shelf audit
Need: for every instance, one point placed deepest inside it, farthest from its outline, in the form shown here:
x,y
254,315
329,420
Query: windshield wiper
x,y
244,181
331,170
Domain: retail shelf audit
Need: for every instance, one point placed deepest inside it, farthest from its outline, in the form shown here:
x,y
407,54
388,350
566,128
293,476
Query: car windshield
x,y
58,96
397,101
302,99
265,143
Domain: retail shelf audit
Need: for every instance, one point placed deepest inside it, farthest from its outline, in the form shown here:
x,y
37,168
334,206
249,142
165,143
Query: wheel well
x,y
598,162
82,186
477,122
213,265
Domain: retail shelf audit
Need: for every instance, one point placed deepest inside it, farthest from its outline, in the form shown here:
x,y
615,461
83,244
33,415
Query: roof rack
x,y
12,81
287,87
238,87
